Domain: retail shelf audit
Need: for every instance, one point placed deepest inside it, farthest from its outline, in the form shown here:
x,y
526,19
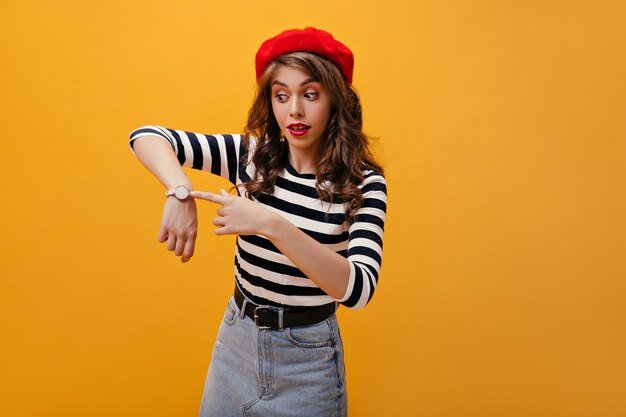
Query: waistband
x,y
277,318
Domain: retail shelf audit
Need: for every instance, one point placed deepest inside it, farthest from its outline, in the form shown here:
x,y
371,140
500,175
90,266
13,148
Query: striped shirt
x,y
262,272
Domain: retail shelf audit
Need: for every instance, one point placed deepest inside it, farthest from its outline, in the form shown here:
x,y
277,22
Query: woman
x,y
309,223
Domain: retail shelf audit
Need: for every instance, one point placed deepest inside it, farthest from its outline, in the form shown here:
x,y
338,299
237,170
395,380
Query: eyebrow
x,y
305,82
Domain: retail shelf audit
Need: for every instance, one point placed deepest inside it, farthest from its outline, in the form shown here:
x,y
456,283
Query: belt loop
x,y
280,319
242,313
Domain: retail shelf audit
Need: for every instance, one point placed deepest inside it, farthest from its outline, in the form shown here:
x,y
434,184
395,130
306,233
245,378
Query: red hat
x,y
311,40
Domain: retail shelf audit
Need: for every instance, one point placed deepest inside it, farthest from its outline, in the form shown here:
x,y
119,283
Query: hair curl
x,y
345,149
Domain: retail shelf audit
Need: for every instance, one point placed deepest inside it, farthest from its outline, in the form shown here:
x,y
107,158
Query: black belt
x,y
268,317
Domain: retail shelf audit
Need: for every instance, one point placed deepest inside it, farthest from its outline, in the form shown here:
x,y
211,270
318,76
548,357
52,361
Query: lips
x,y
298,129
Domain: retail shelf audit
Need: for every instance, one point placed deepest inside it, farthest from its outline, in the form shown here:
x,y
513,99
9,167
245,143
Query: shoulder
x,y
249,142
373,181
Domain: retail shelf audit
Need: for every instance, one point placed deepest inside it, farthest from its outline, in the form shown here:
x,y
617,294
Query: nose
x,y
296,109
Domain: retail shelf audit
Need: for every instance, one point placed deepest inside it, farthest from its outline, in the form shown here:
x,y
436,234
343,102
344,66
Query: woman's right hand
x,y
179,226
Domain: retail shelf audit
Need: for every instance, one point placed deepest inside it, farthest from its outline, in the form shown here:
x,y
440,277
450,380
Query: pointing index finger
x,y
214,198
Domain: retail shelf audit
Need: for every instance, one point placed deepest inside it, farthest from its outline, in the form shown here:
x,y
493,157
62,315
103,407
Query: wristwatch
x,y
180,192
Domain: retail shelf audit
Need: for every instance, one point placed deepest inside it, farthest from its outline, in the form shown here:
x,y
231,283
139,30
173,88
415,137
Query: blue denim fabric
x,y
293,372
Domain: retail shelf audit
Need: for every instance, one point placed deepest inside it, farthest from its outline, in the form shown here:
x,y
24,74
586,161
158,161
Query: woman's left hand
x,y
237,215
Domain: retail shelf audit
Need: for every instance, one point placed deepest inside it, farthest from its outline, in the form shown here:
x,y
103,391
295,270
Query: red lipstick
x,y
298,129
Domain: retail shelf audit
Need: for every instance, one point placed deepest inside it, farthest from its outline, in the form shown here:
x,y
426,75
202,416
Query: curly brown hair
x,y
345,152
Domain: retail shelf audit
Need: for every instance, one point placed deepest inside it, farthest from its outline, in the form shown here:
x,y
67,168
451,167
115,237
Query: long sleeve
x,y
217,154
263,273
365,243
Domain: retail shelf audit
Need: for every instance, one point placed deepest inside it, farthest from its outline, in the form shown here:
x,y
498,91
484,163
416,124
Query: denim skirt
x,y
297,371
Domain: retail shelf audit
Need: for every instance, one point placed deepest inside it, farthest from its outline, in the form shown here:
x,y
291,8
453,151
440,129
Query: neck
x,y
302,162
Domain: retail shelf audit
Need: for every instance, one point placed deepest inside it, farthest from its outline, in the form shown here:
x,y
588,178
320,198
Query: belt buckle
x,y
257,317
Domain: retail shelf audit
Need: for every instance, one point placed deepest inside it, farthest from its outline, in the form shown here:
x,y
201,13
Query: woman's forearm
x,y
159,158
239,215
329,270
179,222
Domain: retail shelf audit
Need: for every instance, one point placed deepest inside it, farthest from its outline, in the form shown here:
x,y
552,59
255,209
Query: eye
x,y
281,98
310,95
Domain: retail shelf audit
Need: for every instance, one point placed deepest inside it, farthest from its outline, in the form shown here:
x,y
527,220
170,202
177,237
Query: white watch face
x,y
181,192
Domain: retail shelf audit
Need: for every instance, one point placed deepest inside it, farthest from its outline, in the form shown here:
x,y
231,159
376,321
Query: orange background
x,y
501,127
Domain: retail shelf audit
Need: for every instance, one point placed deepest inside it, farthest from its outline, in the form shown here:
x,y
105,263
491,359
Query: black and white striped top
x,y
263,273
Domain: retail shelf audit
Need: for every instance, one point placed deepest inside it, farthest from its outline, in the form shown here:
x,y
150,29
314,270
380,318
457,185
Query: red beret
x,y
311,40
